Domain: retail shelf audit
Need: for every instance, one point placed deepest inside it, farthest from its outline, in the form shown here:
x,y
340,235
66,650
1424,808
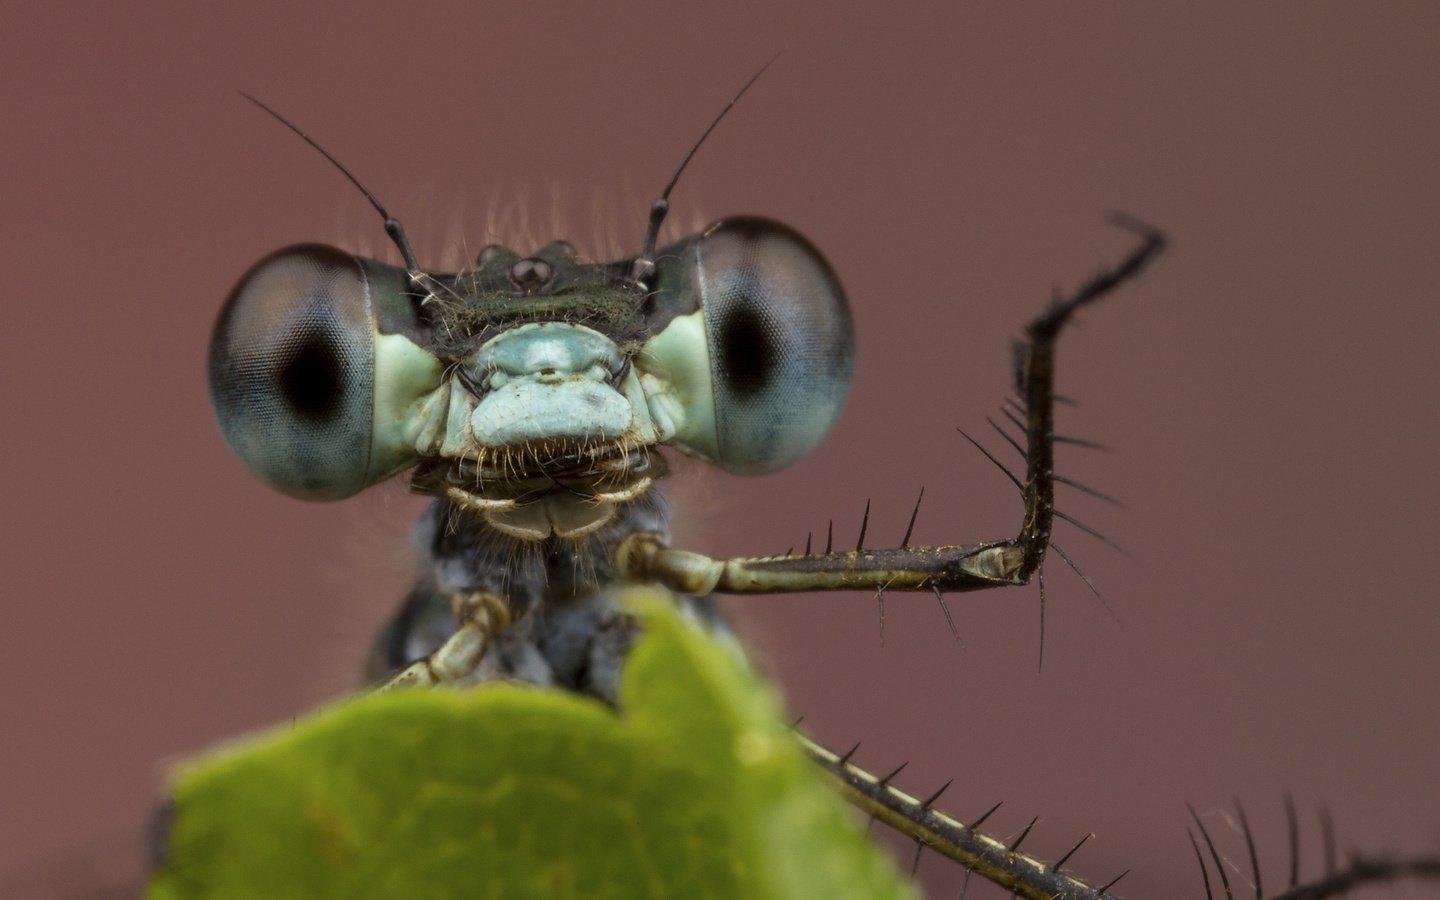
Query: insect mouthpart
x,y
547,429
542,489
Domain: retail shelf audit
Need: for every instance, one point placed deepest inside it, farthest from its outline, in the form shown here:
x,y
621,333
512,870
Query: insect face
x,y
532,390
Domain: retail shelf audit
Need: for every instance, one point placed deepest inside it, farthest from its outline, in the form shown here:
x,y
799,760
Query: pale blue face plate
x,y
548,381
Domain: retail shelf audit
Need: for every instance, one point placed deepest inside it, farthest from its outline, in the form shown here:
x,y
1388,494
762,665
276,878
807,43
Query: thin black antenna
x,y
392,224
658,210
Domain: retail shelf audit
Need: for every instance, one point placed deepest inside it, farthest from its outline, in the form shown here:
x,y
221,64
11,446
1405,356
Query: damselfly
x,y
531,394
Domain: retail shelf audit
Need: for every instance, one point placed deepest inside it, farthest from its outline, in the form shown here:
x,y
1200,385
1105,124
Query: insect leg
x,y
1360,870
480,616
1035,383
990,857
968,567
644,556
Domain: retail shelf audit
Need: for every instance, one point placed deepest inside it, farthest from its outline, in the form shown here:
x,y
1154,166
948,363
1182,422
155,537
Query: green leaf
x,y
695,790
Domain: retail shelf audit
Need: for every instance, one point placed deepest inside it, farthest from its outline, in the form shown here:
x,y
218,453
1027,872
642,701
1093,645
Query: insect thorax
x,y
570,628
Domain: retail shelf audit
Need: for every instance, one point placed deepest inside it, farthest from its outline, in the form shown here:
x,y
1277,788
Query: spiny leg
x,y
1358,871
479,616
1035,382
978,852
645,557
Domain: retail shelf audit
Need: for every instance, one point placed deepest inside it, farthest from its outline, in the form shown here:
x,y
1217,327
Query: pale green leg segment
x,y
481,616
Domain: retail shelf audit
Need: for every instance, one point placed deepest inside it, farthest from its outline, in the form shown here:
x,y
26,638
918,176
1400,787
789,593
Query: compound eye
x,y
778,338
292,375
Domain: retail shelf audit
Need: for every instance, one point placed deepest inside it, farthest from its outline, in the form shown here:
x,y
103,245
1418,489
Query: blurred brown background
x,y
1270,388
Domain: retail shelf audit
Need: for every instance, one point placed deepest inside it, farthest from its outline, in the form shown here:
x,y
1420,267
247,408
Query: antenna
x,y
392,224
645,265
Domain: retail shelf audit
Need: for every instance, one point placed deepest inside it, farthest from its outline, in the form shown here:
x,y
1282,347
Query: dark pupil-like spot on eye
x,y
310,376
747,354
